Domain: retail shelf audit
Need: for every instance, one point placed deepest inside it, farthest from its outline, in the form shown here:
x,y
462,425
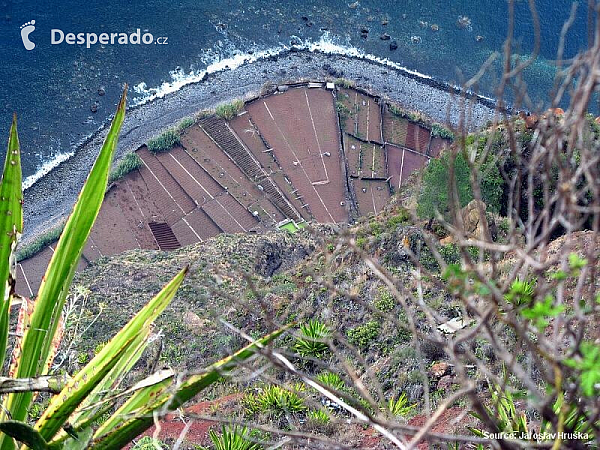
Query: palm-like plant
x,y
313,339
68,421
233,438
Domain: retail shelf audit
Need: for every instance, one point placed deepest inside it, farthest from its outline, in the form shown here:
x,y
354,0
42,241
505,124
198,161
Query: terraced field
x,y
307,153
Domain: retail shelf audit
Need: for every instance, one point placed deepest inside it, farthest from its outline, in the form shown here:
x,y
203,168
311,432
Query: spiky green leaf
x,y
38,339
133,420
11,226
124,342
25,434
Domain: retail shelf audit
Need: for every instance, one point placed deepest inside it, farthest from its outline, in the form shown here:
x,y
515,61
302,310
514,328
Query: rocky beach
x,y
50,199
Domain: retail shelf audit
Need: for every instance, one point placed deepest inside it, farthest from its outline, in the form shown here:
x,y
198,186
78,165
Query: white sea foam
x,y
215,63
46,167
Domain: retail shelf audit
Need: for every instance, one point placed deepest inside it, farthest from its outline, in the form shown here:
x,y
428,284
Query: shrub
x,y
363,335
313,340
331,380
233,438
434,193
385,301
400,406
438,130
274,401
39,243
229,110
129,163
164,142
402,217
149,443
345,83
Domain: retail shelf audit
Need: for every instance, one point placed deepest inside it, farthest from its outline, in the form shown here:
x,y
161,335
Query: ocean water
x,y
52,88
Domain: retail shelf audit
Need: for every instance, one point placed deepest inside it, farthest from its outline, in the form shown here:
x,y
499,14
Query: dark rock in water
x,y
385,37
94,108
295,41
364,30
101,91
393,45
305,18
309,24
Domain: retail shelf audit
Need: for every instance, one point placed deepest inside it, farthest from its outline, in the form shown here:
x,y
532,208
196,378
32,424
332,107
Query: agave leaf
x,y
134,420
11,227
63,405
38,338
102,396
81,442
25,434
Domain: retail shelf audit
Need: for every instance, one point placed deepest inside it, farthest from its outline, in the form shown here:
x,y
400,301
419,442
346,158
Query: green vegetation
x,y
229,110
318,417
185,123
80,414
342,110
165,142
129,163
331,380
234,438
40,242
385,301
363,335
400,406
438,130
434,192
274,400
149,443
345,83
313,339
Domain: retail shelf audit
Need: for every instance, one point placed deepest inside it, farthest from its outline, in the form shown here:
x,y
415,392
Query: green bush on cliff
x,y
435,190
165,142
229,110
39,243
129,163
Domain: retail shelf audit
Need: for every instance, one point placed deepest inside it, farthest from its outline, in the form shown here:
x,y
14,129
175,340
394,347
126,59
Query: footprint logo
x,y
26,30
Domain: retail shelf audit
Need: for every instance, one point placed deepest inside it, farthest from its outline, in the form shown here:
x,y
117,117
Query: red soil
x,y
417,138
402,163
289,123
394,128
437,145
371,195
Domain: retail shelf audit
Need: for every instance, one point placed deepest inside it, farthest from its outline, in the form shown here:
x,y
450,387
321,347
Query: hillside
x,y
448,311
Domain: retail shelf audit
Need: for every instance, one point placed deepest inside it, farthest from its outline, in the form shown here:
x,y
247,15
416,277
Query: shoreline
x,y
51,198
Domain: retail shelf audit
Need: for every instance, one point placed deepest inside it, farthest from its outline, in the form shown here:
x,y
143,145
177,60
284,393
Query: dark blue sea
x,y
53,88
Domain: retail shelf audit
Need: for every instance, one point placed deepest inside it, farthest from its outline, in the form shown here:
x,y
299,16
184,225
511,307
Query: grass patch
x,y
39,243
438,130
129,163
164,142
229,110
345,83
186,122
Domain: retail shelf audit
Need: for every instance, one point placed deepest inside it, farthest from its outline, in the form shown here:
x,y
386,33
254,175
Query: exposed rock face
x,y
273,255
473,216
